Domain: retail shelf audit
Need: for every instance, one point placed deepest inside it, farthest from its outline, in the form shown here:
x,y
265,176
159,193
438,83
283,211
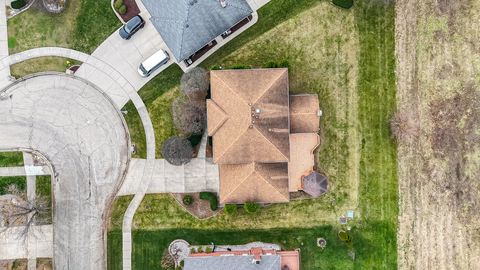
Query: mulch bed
x,y
199,208
132,10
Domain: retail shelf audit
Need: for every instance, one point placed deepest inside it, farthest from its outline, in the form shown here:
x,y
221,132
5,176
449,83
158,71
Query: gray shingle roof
x,y
268,262
188,25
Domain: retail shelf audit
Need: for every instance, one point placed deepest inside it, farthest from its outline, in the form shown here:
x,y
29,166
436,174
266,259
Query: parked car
x,y
131,27
153,62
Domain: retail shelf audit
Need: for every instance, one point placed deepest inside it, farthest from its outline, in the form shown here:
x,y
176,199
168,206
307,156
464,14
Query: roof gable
x,y
256,182
188,25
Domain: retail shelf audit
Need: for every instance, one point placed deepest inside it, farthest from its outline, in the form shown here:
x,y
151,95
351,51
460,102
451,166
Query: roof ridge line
x,y
270,87
241,182
183,27
274,146
224,118
264,179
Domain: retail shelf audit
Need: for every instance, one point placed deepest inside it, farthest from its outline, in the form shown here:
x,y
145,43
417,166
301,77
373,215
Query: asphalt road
x,y
83,136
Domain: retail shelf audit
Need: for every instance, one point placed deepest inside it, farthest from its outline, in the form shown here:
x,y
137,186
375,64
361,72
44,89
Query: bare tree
x,y
25,213
195,84
177,150
189,117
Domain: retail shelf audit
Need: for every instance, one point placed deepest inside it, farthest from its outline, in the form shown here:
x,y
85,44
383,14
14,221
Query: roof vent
x,y
223,3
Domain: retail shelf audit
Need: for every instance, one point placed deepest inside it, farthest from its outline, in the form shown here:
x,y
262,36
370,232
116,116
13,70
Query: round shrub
x,y
118,4
343,3
230,209
251,207
208,250
177,151
187,199
18,4
122,10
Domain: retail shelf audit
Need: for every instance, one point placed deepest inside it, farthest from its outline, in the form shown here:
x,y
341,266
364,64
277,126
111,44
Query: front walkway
x,y
38,243
4,70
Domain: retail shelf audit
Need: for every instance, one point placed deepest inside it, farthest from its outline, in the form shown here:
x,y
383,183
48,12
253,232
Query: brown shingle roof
x,y
256,182
304,113
241,134
302,160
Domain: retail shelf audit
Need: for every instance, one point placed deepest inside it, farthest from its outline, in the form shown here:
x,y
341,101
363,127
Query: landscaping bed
x,y
131,9
198,208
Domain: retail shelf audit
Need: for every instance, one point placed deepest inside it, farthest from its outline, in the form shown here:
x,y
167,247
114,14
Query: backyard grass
x,y
347,58
11,159
82,26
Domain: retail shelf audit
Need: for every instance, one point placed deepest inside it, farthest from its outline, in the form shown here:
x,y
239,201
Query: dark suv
x,y
131,27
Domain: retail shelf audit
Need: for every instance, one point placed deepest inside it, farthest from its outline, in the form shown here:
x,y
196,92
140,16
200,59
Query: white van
x,y
153,62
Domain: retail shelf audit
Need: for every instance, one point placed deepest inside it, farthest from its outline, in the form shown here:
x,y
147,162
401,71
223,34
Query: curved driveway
x,y
82,134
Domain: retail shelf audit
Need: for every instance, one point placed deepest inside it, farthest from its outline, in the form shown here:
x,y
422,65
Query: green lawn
x,y
19,181
82,26
347,58
158,94
9,159
44,189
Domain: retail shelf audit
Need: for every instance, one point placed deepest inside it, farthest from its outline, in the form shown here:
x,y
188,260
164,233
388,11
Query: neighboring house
x,y
190,28
263,138
252,259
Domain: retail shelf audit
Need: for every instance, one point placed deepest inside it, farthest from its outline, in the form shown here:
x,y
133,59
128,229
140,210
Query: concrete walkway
x,y
25,170
5,78
200,174
38,243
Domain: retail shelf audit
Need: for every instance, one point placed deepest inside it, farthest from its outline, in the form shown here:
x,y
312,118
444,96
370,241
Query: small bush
x,y
343,3
208,250
192,250
273,64
18,4
251,207
118,4
241,67
216,67
122,10
212,198
187,199
230,209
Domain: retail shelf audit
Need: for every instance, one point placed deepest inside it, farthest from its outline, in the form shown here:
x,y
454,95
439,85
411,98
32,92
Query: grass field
x,y
82,26
347,58
9,159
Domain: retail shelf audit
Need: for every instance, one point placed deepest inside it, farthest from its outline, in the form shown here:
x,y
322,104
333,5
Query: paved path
x,y
83,136
4,71
39,239
200,174
25,170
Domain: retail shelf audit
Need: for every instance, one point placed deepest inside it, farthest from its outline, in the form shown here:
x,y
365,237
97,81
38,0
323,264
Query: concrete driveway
x,y
80,132
125,56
